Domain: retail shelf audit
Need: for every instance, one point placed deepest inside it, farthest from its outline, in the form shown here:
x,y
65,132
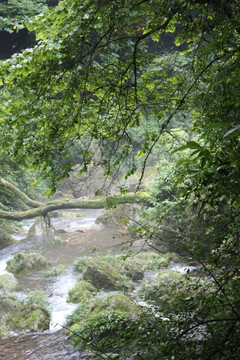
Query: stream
x,y
82,236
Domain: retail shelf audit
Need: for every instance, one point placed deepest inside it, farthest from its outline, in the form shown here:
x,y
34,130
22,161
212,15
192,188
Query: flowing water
x,y
82,236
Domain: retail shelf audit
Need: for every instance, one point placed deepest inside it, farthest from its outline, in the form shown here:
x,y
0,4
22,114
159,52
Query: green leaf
x,y
189,145
214,126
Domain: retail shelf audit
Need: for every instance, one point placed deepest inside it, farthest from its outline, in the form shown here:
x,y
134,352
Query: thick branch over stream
x,y
42,209
20,194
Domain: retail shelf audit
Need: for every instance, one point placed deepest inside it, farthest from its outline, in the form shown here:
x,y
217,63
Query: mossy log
x,y
42,209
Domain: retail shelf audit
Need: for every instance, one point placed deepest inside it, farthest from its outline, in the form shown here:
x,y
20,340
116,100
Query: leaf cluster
x,y
14,13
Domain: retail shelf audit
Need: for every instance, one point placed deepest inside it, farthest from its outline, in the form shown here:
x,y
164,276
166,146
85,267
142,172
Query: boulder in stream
x,y
40,227
5,239
133,271
104,275
15,315
114,272
82,290
23,263
103,320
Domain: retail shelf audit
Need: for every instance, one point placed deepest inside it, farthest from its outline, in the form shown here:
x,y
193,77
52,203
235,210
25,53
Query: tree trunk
x,y
42,209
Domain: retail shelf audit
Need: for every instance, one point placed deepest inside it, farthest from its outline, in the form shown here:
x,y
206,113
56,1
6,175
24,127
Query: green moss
x,y
103,302
104,275
16,315
140,262
82,290
118,302
26,263
12,228
172,257
29,318
5,239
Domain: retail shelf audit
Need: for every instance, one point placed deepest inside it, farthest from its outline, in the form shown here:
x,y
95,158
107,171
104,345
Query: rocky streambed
x,y
83,280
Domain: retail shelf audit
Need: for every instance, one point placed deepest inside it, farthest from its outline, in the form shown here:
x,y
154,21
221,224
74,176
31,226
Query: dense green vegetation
x,y
148,82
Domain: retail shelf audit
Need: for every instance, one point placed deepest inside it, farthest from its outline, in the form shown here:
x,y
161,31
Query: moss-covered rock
x,y
132,266
82,290
171,290
106,329
104,319
7,307
162,288
15,315
104,275
103,302
29,318
133,271
5,239
7,283
25,263
117,301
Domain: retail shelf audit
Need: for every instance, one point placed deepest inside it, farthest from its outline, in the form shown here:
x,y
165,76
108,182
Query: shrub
x,y
139,262
103,302
175,291
40,299
55,271
7,282
58,240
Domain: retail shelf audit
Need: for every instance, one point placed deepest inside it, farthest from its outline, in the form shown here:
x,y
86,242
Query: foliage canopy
x,y
96,72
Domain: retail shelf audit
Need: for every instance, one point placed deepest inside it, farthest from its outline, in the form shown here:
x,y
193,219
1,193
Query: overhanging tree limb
x,y
42,209
27,201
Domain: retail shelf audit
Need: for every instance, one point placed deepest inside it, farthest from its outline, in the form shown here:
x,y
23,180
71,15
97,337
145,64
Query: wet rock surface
x,y
5,239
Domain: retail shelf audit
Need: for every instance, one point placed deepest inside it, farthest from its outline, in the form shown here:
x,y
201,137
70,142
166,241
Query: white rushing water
x,y
60,308
183,269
